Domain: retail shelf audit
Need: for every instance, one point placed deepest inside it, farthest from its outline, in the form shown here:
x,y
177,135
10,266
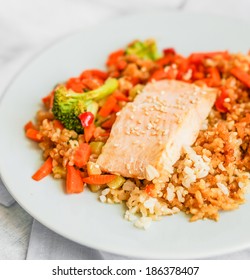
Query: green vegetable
x,y
144,50
68,105
117,182
96,147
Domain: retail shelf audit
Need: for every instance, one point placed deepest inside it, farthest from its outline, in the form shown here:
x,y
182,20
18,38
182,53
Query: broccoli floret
x,y
68,105
144,50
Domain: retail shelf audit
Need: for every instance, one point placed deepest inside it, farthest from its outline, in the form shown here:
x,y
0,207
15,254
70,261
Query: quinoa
x,y
211,176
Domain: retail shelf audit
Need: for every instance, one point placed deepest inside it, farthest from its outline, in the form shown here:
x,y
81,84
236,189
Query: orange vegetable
x,y
99,179
34,135
149,189
48,100
44,170
89,132
94,73
75,84
58,124
82,155
29,125
92,83
199,57
108,106
114,57
214,79
219,103
158,75
120,96
74,183
241,75
116,108
121,65
163,74
108,123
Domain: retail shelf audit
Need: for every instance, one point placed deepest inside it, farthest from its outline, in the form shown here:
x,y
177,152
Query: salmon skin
x,y
149,133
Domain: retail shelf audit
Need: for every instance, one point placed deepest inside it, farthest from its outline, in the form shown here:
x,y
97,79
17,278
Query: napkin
x,y
5,198
47,245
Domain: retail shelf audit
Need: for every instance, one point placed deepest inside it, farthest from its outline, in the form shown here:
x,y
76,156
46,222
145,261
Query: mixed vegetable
x,y
88,104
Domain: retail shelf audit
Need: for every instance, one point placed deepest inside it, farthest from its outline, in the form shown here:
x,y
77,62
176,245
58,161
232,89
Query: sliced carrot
x,y
214,79
149,189
241,75
82,155
165,60
120,96
74,183
99,179
109,123
29,125
121,65
161,74
48,100
199,57
44,170
108,106
116,108
89,132
219,103
92,83
94,74
58,124
34,135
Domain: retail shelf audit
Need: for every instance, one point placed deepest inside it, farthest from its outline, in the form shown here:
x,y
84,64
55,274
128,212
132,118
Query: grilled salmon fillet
x,y
149,133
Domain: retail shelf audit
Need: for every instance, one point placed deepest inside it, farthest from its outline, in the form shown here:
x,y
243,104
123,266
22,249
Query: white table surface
x,y
23,32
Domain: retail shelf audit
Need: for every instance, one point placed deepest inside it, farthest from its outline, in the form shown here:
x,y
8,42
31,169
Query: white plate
x,y
82,217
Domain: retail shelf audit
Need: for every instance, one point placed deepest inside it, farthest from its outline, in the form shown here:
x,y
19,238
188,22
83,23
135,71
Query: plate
x,y
82,218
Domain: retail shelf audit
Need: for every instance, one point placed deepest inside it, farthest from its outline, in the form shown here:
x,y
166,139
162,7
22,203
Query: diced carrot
x,y
48,100
92,83
58,124
163,74
116,108
29,125
94,74
121,65
74,183
158,75
114,57
149,189
241,75
199,57
219,103
166,60
99,179
109,123
82,155
44,170
104,134
89,132
120,96
75,84
34,135
214,79
108,106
